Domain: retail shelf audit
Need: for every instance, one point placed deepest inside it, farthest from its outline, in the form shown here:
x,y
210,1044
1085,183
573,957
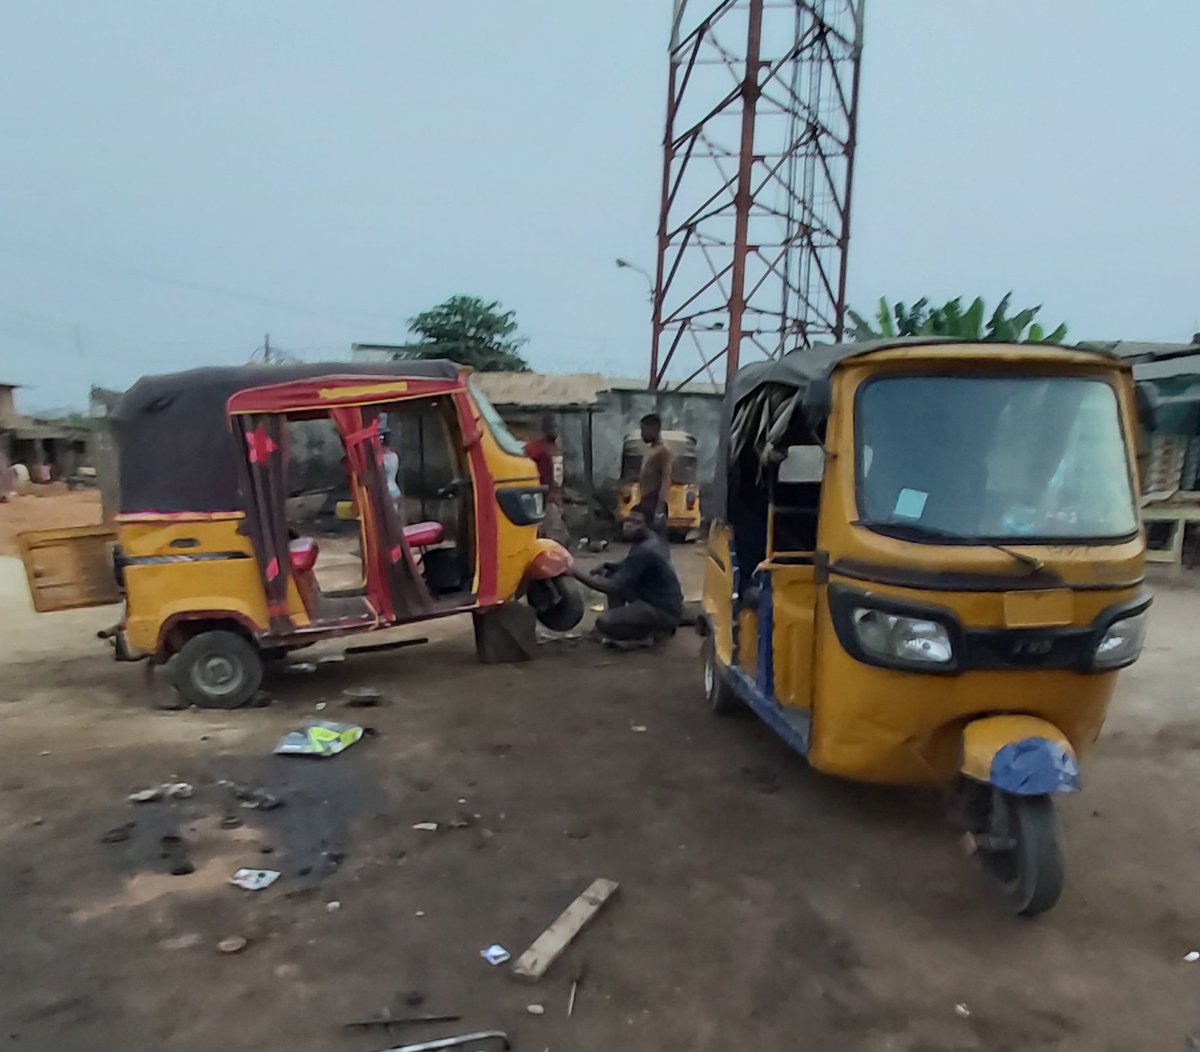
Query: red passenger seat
x,y
423,534
302,554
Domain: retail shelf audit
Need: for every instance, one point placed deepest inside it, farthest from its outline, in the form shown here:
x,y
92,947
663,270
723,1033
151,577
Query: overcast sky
x,y
178,178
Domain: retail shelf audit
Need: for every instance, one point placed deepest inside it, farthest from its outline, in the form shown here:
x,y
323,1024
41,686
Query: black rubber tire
x,y
557,603
217,670
1031,874
718,693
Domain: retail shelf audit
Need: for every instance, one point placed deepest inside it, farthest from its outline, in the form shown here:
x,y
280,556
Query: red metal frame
x,y
753,239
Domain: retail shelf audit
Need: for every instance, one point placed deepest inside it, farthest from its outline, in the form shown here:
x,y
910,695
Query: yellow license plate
x,y
1039,609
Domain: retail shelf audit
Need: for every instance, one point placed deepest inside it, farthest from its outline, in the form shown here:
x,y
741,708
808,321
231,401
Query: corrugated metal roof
x,y
541,389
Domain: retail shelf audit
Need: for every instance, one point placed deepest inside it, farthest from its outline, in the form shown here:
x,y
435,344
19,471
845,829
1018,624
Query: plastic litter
x,y
234,944
254,879
1192,957
426,827
319,738
536,1009
495,954
146,796
301,668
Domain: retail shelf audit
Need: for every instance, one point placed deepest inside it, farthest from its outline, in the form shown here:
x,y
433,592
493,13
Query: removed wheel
x,y
1025,856
717,691
217,670
557,603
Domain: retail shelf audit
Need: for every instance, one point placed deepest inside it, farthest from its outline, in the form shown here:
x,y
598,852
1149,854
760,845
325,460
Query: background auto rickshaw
x,y
215,575
926,568
683,507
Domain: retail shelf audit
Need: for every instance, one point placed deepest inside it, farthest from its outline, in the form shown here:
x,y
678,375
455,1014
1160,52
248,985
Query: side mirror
x,y
1146,400
802,464
818,401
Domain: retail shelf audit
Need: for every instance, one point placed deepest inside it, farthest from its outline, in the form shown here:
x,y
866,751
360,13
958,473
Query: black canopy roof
x,y
762,398
175,445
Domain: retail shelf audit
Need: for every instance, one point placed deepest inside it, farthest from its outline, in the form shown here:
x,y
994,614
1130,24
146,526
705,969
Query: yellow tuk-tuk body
x,y
683,505
927,564
204,542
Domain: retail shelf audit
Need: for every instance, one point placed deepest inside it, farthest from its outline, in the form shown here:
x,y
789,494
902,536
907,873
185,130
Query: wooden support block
x,y
548,946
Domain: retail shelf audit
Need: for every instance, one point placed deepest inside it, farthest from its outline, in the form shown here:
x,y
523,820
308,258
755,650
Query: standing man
x,y
548,457
645,600
654,480
391,467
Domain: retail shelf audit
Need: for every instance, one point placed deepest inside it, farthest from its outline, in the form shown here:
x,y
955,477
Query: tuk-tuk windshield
x,y
1036,458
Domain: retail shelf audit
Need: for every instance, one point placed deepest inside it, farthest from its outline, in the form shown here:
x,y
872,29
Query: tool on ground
x,y
387,1022
455,1042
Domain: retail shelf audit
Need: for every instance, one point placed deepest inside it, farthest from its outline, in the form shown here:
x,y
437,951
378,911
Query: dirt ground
x,y
761,906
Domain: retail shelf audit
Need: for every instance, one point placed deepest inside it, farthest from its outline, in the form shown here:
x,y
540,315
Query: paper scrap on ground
x,y
321,738
254,879
495,954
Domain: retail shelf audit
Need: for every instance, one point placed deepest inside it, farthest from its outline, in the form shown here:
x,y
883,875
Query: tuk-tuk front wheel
x,y
1022,852
217,670
717,691
557,603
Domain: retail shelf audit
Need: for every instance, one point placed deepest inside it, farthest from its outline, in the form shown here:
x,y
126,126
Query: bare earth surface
x,y
28,512
761,906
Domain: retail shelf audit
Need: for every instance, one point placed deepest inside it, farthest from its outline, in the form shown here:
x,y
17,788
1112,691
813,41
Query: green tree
x,y
471,332
951,320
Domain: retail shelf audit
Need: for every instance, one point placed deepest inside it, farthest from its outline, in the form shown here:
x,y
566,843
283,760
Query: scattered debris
x,y
455,1042
172,790
234,944
254,879
300,668
333,907
598,608
387,1021
1192,956
256,798
230,821
495,954
331,659
638,728
118,834
146,796
181,942
321,738
362,697
426,827
548,946
968,844
579,973
962,1010
319,706
535,1009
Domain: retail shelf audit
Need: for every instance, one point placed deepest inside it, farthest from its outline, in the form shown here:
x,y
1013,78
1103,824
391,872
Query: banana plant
x,y
951,320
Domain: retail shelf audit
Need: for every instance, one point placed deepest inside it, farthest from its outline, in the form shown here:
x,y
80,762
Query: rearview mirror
x,y
802,464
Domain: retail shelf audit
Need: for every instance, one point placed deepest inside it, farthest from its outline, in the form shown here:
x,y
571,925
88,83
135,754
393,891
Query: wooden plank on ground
x,y
548,946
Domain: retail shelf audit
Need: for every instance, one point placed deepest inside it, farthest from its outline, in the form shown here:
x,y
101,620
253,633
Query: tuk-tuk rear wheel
x,y
217,670
717,692
1030,872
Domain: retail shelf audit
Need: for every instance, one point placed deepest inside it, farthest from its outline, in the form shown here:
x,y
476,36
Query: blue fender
x,y
1022,755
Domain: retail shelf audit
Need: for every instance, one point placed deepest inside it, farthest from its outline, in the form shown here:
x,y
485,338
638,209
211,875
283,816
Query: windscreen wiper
x,y
919,529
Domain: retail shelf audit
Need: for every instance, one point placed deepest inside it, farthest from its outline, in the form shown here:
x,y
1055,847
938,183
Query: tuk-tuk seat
x,y
424,534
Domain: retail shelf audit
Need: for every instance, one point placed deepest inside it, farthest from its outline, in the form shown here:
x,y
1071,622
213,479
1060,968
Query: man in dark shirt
x,y
645,600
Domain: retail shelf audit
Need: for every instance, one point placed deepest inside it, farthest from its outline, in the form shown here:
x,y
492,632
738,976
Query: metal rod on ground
x,y
454,1042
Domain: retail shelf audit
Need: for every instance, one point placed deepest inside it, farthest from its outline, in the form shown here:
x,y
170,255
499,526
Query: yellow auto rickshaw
x,y
926,568
683,506
217,574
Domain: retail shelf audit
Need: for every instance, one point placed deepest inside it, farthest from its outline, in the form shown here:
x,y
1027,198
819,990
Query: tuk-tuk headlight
x,y
899,638
1121,642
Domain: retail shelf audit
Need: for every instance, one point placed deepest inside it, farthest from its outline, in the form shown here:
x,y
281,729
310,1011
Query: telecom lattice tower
x,y
758,169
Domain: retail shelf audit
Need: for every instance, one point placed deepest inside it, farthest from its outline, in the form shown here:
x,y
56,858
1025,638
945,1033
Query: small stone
x,y
37,821
962,1010
320,705
1192,956
45,752
638,728
182,868
536,1009
333,907
265,849
426,827
178,791
234,944
230,822
419,913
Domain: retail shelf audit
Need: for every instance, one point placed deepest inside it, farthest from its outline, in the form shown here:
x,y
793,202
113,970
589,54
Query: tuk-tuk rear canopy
x,y
176,448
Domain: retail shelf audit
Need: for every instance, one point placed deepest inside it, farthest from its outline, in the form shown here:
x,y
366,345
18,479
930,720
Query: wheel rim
x,y
218,675
710,676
